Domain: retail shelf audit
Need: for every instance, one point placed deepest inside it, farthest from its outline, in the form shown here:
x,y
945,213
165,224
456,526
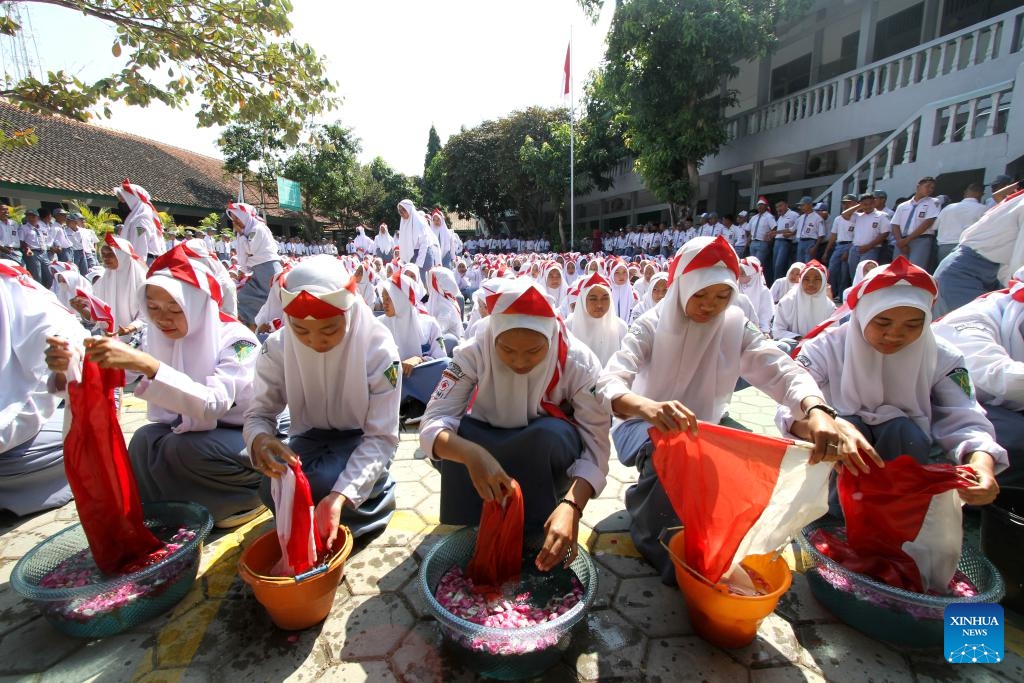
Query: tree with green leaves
x,y
380,188
326,167
235,55
667,66
433,147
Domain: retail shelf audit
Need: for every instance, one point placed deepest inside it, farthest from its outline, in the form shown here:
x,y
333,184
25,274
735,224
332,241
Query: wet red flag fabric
x,y
737,493
100,475
903,523
301,544
498,556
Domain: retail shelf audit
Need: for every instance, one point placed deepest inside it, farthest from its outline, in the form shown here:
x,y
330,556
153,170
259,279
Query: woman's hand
x,y
668,416
836,440
81,306
58,355
264,328
986,490
409,363
328,517
491,482
124,330
112,353
560,534
270,456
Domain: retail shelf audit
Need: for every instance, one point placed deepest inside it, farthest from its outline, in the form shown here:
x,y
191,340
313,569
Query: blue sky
x,y
401,65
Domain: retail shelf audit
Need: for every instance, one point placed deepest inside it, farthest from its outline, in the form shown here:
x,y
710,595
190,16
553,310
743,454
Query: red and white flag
x,y
737,493
300,543
567,81
99,310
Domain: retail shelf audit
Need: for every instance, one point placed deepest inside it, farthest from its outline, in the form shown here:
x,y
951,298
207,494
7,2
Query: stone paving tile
x,y
113,658
626,567
14,610
373,627
356,672
843,653
799,606
373,570
656,609
786,674
34,647
776,645
929,668
690,658
421,657
605,646
606,514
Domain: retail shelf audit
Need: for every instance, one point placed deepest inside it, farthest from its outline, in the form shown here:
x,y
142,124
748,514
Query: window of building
x,y
791,77
899,32
958,14
847,58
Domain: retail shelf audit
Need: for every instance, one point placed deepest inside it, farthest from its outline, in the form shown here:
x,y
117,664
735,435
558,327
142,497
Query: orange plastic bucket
x,y
293,605
720,617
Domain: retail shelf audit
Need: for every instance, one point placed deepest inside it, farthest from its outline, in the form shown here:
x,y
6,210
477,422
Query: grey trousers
x,y
963,276
32,474
211,468
254,293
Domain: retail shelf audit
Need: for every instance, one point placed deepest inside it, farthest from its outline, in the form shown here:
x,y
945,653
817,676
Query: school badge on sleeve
x,y
391,374
243,349
963,380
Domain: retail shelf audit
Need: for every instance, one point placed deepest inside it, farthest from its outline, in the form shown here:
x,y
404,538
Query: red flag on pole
x,y
565,89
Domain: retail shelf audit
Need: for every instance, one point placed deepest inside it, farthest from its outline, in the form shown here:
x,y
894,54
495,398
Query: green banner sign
x,y
289,194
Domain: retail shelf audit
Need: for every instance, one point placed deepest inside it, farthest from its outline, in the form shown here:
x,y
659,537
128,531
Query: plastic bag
x,y
903,523
294,514
737,493
498,556
100,474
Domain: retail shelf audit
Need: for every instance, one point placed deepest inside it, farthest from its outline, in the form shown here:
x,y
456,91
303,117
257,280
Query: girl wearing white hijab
x,y
197,369
418,337
363,244
31,418
752,285
384,244
863,268
554,285
783,285
624,298
902,387
335,367
66,283
656,290
142,226
412,272
529,378
444,303
989,331
417,243
646,384
572,273
124,273
257,254
593,321
444,237
805,306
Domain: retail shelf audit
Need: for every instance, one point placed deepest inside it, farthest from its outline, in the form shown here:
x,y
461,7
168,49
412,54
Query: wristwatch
x,y
823,407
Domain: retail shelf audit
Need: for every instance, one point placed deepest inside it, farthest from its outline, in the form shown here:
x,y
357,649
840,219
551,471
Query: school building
x,y
860,95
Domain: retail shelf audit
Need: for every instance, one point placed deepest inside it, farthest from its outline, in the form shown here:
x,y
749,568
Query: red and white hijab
x,y
247,213
141,209
603,335
505,399
195,289
327,390
443,299
805,311
880,387
410,324
705,381
120,287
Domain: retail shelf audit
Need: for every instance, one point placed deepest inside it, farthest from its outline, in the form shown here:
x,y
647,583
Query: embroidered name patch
x,y
803,360
963,380
243,349
455,371
391,374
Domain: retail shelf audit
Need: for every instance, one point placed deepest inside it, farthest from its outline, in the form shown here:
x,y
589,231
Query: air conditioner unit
x,y
821,164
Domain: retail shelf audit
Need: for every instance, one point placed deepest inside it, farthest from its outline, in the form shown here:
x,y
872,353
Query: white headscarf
x,y
66,282
505,399
557,294
409,230
442,232
623,296
407,326
782,286
120,287
444,300
647,303
880,387
603,335
706,380
328,390
142,214
804,312
195,289
859,275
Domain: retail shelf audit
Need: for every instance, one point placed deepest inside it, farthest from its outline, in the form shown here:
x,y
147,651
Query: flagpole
x,y
572,152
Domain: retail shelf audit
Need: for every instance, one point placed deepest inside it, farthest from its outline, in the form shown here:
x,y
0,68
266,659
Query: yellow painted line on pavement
x,y
178,641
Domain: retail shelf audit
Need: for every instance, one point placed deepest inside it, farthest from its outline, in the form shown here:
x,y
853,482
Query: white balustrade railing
x,y
977,44
980,113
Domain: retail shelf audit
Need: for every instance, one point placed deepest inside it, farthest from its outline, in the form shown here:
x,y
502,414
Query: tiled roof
x,y
77,157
